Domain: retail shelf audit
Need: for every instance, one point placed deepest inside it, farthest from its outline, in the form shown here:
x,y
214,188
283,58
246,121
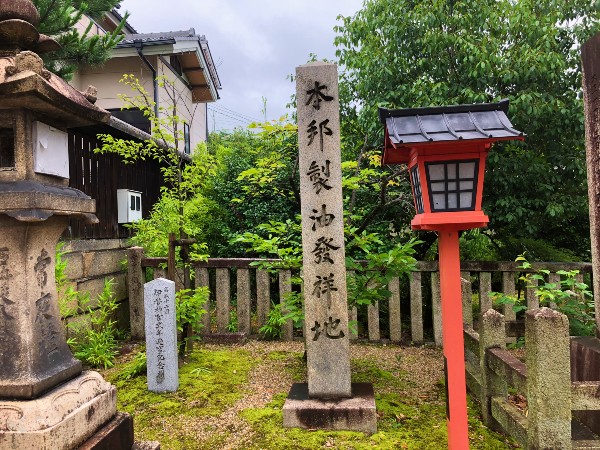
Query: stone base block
x,y
63,418
356,413
115,435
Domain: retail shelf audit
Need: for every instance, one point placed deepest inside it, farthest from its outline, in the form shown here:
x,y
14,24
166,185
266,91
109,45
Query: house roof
x,y
194,55
406,127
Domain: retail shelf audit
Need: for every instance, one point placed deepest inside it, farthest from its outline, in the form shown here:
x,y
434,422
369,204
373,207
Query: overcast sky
x,y
255,45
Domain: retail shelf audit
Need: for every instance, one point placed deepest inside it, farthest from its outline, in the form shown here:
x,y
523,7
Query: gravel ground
x,y
417,373
421,368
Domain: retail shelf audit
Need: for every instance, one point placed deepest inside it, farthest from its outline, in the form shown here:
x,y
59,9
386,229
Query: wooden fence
x,y
100,175
412,313
534,403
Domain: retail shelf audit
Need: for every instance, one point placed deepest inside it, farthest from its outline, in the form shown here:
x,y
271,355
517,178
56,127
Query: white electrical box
x,y
129,205
50,150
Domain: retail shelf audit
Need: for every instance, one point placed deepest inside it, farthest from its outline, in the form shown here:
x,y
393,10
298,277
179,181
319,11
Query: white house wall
x,y
106,79
193,113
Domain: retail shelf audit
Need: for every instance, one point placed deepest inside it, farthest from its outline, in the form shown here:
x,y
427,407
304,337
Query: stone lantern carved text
x,y
44,317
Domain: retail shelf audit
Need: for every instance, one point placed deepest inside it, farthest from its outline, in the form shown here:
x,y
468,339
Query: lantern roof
x,y
415,127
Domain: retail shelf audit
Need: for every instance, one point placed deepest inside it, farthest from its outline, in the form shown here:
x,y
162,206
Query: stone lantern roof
x,y
25,83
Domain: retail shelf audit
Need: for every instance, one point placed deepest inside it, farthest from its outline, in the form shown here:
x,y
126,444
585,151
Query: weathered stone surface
x,y
394,311
161,336
93,245
117,434
324,269
285,287
243,300
33,350
103,262
590,57
263,296
548,379
95,286
135,281
63,418
223,299
416,307
74,268
485,287
203,280
355,414
491,335
436,306
467,297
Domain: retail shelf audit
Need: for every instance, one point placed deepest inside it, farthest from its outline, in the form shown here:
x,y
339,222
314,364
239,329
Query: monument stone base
x,y
62,418
356,413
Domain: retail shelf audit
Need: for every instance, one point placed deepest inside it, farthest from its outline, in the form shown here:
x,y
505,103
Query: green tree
x,y
58,19
409,53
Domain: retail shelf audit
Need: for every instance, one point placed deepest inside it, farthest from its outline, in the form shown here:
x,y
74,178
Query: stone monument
x,y
161,336
46,401
328,400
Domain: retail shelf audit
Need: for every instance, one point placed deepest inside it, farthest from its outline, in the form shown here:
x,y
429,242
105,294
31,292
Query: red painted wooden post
x,y
452,330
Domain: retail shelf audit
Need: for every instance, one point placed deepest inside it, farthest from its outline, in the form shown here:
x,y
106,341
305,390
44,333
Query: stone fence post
x,y
548,379
492,334
135,283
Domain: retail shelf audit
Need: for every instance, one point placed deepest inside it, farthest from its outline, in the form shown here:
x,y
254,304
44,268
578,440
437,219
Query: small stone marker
x,y
161,336
328,352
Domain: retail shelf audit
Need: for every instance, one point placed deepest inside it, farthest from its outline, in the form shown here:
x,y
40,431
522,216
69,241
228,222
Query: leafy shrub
x,y
571,297
96,344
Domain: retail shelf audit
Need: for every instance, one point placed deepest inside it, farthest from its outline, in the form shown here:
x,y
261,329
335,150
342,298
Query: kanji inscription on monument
x,y
161,335
323,231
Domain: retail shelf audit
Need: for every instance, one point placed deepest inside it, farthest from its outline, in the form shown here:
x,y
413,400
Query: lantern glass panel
x,y
417,193
452,185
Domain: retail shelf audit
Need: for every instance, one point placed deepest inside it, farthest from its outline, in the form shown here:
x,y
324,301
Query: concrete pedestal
x,y
356,413
62,418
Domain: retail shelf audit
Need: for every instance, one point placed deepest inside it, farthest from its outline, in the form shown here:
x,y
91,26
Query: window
x,y
186,138
133,117
452,185
175,64
7,148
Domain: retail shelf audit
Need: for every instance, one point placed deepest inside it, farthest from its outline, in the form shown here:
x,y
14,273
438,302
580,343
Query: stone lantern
x,y
46,401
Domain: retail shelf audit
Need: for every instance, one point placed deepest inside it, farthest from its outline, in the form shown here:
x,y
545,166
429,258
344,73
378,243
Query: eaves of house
x,y
193,57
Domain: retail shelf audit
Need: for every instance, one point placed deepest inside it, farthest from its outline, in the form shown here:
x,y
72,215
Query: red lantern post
x,y
445,149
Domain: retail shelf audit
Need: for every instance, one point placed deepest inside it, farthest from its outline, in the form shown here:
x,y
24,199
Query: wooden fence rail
x,y
244,294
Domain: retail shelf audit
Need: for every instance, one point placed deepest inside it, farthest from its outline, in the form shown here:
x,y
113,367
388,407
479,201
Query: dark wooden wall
x,y
99,176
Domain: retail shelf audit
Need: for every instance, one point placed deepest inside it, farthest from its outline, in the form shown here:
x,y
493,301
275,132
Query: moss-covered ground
x,y
231,397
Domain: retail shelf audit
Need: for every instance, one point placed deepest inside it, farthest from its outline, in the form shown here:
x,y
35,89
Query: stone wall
x,y
90,262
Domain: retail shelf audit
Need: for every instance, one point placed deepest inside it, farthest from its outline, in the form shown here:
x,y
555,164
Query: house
x,y
182,57
95,251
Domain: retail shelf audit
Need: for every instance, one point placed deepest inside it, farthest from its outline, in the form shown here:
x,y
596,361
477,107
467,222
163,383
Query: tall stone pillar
x,y
328,400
